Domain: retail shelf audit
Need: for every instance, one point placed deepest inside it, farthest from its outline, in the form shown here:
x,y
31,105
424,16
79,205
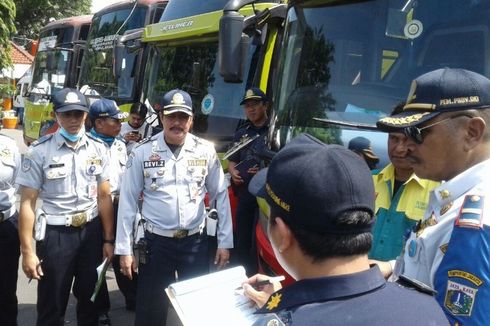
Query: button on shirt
x,y
66,178
173,189
450,251
9,166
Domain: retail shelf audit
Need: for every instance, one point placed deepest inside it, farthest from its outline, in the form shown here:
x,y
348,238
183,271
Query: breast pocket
x,y
154,178
57,179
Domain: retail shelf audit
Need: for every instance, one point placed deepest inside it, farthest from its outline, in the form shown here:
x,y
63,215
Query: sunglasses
x,y
416,134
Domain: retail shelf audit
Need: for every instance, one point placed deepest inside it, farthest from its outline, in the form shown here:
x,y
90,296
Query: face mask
x,y
107,139
71,137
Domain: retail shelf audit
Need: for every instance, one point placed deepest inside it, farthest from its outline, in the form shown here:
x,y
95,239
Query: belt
x,y
177,234
6,214
76,220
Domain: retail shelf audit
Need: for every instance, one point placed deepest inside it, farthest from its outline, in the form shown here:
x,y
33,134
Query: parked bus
x,y
353,62
56,66
183,53
97,65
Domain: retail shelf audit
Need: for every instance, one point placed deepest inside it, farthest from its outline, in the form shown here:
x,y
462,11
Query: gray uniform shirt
x,y
66,178
173,189
9,167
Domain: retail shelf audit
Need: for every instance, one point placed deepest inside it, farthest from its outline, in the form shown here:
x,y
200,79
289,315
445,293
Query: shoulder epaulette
x,y
143,141
42,140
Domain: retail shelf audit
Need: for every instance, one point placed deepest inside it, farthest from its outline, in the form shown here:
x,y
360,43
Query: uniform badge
x,y
154,157
146,174
274,301
445,208
161,171
420,227
412,248
459,299
26,164
444,193
471,213
153,185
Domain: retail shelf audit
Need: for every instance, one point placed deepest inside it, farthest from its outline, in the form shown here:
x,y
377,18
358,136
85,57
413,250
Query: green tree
x,y
7,29
32,15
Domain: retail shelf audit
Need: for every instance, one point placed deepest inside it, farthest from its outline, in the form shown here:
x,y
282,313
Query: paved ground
x,y
27,294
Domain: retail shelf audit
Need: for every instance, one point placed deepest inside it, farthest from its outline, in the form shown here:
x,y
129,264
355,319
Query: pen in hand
x,y
258,284
37,266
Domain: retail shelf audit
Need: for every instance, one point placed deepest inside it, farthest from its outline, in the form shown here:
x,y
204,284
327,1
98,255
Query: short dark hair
x,y
139,109
321,246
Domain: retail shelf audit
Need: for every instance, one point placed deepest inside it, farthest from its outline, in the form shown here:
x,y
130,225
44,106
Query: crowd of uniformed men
x,y
375,247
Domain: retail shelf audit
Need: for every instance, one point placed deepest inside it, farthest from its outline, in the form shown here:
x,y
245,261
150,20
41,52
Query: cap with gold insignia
x,y
254,93
177,100
439,91
69,99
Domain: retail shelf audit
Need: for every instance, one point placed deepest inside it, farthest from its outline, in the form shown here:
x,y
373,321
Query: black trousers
x,y
70,255
244,252
9,253
187,256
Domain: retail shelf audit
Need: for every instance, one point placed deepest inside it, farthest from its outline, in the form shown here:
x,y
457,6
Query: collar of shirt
x,y
60,140
388,174
323,289
461,184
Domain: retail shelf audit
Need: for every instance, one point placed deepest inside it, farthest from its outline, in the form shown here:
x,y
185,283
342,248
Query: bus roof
x,y
124,4
70,21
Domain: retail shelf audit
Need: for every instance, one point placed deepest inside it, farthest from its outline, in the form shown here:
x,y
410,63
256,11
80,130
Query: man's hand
x,y
108,251
31,265
262,294
128,265
384,266
222,257
235,174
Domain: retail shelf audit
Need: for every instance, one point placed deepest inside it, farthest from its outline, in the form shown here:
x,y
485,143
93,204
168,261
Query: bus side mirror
x,y
233,45
119,54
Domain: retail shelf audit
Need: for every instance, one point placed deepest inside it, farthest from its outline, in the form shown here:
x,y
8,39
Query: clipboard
x,y
212,300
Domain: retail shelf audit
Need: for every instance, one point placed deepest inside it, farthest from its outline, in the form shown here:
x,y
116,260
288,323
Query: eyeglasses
x,y
416,134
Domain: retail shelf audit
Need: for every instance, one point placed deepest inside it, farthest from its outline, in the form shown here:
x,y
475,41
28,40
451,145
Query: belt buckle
x,y
179,234
79,219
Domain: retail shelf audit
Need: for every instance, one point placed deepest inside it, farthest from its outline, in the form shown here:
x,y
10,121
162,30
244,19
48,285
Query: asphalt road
x,y
27,293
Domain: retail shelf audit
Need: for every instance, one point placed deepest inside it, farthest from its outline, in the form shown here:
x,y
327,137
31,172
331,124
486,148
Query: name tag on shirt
x,y
153,164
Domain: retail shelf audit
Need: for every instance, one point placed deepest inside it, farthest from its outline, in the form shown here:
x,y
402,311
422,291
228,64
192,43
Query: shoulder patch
x,y
471,213
42,140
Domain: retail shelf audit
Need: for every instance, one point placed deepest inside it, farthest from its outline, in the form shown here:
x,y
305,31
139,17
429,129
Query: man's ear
x,y
475,131
286,237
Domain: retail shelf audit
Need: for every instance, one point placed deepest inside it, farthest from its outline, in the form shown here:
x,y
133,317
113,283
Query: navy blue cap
x,y
310,184
254,93
177,100
439,91
105,108
363,145
69,99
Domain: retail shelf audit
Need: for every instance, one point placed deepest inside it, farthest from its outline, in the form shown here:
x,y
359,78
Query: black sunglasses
x,y
415,133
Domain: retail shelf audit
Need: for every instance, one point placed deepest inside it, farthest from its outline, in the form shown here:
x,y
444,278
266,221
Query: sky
x,y
100,4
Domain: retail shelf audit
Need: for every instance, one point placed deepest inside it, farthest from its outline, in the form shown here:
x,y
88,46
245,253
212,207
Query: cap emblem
x,y
178,99
249,93
72,97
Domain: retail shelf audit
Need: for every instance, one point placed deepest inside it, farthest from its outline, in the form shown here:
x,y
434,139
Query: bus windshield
x,y
355,62
98,59
194,68
51,63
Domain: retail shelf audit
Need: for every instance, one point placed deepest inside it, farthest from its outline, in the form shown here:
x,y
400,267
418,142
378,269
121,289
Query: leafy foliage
x,y
7,29
32,15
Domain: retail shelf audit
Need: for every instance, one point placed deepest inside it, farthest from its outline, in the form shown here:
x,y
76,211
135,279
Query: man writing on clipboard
x,y
243,165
